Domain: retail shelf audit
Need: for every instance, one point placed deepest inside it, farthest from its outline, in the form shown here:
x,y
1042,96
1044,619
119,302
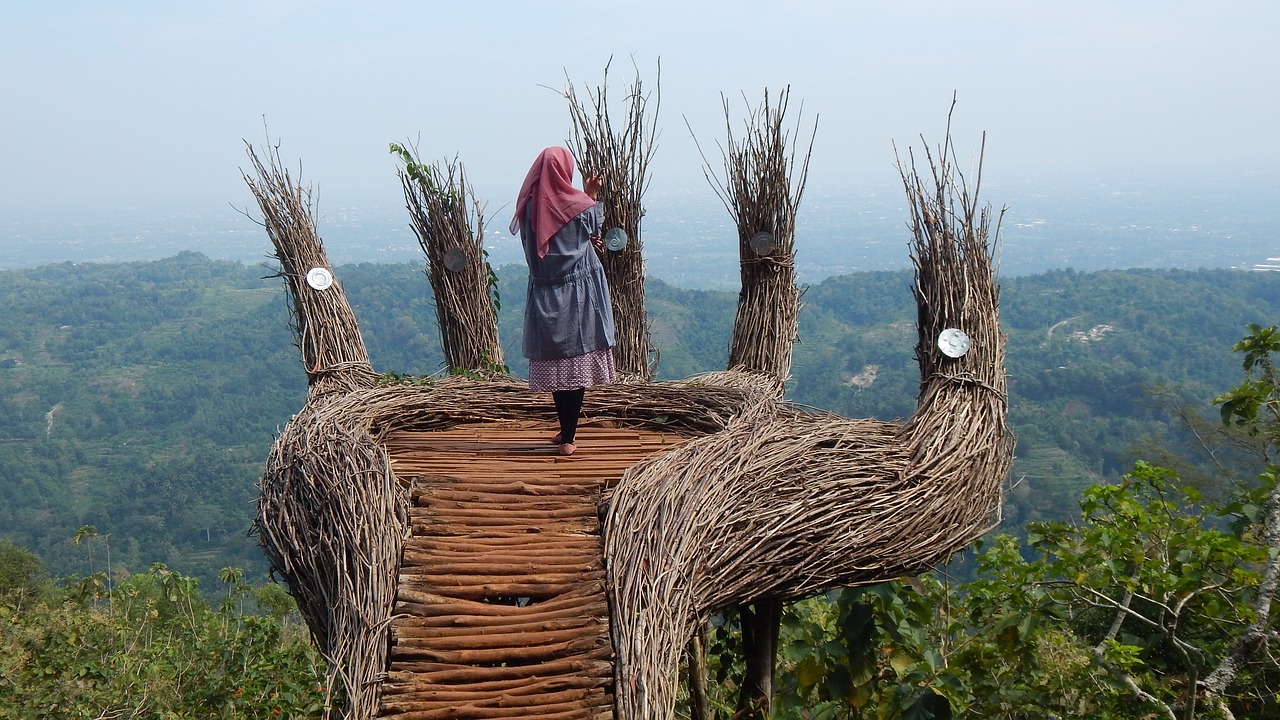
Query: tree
x,y
156,650
20,570
1255,405
1153,590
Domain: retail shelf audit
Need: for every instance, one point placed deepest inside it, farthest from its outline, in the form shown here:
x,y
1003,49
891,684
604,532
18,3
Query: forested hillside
x,y
142,398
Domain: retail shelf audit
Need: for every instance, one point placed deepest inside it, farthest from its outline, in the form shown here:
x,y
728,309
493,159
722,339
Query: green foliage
x,y
141,401
442,189
1142,593
1242,404
1149,582
428,177
415,170
931,649
21,572
152,648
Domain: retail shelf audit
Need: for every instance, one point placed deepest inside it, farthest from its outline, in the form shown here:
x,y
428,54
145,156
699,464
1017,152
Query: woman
x,y
568,320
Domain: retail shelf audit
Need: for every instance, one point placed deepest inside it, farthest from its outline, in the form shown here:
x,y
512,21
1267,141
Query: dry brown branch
x,y
331,519
325,328
621,156
449,224
758,191
761,189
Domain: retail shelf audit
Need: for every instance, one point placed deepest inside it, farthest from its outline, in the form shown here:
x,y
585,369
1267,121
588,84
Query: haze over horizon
x,y
146,106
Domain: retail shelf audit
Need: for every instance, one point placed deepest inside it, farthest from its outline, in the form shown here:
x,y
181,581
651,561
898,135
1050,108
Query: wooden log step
x,y
428,581
435,579
502,543
448,698
516,491
581,516
433,673
486,566
550,554
453,698
451,627
435,613
410,636
515,488
457,613
508,491
563,711
478,487
458,529
409,684
504,511
575,598
489,590
586,648
492,526
546,485
567,481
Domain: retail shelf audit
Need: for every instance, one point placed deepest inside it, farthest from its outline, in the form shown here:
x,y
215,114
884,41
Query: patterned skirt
x,y
571,373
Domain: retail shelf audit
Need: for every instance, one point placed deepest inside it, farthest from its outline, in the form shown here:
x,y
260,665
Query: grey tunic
x,y
567,312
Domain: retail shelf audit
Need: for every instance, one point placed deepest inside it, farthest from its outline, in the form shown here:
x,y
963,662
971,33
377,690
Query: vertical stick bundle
x,y
762,195
621,156
325,329
449,224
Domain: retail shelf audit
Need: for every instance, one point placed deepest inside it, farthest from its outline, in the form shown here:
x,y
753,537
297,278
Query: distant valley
x,y
141,398
690,240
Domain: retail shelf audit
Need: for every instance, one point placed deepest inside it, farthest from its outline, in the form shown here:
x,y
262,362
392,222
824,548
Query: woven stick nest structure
x,y
763,501
324,326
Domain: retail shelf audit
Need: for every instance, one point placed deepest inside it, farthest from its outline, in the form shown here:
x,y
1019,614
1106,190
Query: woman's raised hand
x,y
591,186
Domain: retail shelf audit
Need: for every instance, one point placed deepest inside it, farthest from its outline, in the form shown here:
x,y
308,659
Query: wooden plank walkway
x,y
502,590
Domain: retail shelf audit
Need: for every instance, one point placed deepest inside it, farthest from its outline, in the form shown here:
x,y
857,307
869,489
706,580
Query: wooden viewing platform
x,y
501,609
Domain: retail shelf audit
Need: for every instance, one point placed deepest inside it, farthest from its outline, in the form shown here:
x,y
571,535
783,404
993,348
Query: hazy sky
x,y
144,103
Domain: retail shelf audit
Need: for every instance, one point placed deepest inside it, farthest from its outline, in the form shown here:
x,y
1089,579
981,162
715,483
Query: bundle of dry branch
x,y
621,157
324,326
761,193
449,224
331,519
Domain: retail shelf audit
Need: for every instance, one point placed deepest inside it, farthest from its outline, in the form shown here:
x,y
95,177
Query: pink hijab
x,y
549,186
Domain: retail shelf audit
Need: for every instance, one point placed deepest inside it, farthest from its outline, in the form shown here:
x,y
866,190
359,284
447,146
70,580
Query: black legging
x,y
568,407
